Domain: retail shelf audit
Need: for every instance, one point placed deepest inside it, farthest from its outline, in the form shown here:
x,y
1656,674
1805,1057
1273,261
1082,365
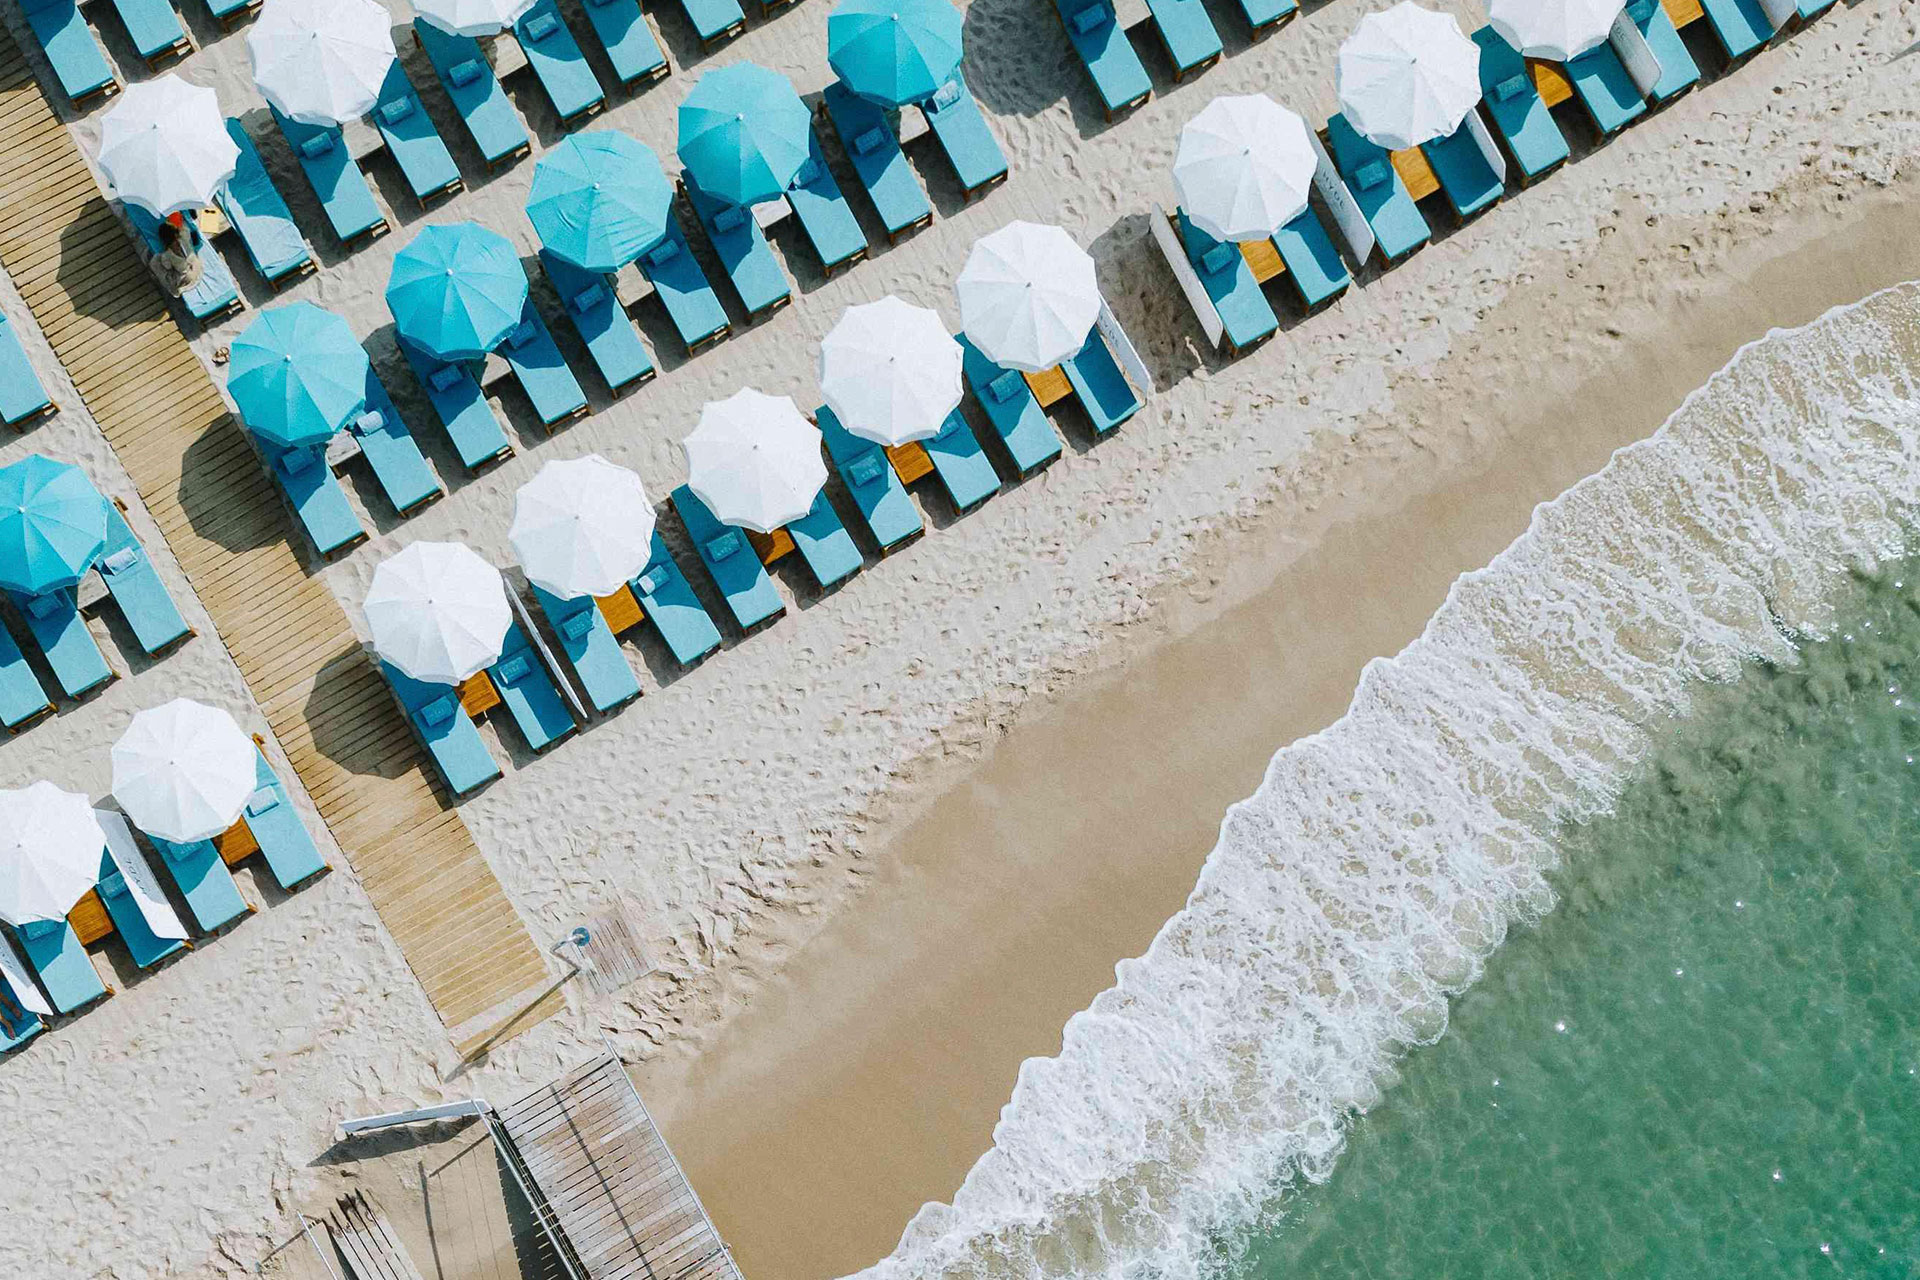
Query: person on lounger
x,y
177,264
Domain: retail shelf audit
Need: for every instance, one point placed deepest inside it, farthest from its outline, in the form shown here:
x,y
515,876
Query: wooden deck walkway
x,y
104,315
602,1169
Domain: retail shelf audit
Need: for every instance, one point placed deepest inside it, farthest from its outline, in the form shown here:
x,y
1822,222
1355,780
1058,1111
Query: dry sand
x,y
869,898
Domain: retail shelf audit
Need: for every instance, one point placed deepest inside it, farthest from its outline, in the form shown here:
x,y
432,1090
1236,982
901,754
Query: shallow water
x,y
1353,898
1706,1060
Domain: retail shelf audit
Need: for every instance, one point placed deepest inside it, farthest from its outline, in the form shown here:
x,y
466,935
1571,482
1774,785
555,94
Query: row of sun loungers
x,y
54,622
129,900
532,684
1522,127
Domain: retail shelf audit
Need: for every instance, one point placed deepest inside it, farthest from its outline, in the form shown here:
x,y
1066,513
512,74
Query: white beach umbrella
x,y
1244,167
1408,75
582,527
321,61
472,17
890,371
438,611
1028,296
755,461
50,847
183,770
164,146
1557,30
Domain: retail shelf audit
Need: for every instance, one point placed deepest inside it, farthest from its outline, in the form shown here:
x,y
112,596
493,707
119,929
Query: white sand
x,y
738,807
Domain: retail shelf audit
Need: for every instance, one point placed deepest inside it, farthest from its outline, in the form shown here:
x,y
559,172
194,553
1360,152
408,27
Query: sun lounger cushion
x,y
723,546
866,468
21,395
730,218
446,729
610,338
556,59
588,298
577,626
1100,387
1219,257
522,334
1516,109
742,580
962,132
512,670
1090,18
389,449
661,254
591,649
874,151
397,110
1014,412
446,377
1374,173
213,899
529,693
285,843
54,951
750,263
145,946
317,145
21,697
1104,50
437,712
963,467
540,26
870,141
53,618
1313,263
1006,386
1238,300
464,72
1511,88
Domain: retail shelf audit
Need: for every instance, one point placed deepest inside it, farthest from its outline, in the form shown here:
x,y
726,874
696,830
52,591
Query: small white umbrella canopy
x,y
582,527
321,61
1244,167
1028,296
183,770
438,611
755,460
164,146
1556,30
890,371
1408,75
472,17
50,846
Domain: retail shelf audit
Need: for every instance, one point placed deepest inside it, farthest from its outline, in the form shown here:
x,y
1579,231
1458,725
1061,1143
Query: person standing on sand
x,y
177,265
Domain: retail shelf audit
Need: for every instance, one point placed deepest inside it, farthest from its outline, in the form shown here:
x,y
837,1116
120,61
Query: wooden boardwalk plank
x,y
203,484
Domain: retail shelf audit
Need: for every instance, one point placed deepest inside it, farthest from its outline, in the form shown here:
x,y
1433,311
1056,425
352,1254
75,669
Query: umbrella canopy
x,y
298,375
1408,75
744,133
321,61
53,524
1557,30
582,527
183,771
755,461
1244,167
457,291
438,611
890,371
894,51
472,17
599,200
164,146
1028,296
50,847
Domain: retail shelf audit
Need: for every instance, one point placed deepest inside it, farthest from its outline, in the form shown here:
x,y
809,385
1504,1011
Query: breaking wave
x,y
1381,861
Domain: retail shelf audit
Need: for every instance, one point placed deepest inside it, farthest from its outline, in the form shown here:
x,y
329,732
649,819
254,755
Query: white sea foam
x,y
1382,860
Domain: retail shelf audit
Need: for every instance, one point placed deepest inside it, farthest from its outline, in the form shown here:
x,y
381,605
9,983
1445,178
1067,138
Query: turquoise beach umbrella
x,y
457,291
53,524
298,375
744,133
894,51
599,200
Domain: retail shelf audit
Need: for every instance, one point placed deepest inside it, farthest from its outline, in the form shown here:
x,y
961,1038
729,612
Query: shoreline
x,y
864,1079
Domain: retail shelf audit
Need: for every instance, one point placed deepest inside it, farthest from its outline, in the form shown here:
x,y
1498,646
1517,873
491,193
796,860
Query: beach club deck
x,y
105,319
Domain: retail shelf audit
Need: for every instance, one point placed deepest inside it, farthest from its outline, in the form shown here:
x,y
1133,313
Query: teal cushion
x,y
513,670
1374,173
262,800
446,377
368,421
297,460
589,298
464,73
437,712
317,145
1005,387
113,885
579,625
661,254
120,561
806,173
731,218
42,928
946,95
870,141
1218,258
723,546
656,577
397,110
540,26
866,468
1512,87
1090,18
522,334
44,606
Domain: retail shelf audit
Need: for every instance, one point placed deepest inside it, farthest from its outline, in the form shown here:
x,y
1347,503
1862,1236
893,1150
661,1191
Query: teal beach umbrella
x,y
744,133
894,51
53,524
457,291
298,375
599,200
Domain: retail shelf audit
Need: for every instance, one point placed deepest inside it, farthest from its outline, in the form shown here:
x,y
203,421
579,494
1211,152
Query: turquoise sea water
x,y
1705,1062
1629,829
